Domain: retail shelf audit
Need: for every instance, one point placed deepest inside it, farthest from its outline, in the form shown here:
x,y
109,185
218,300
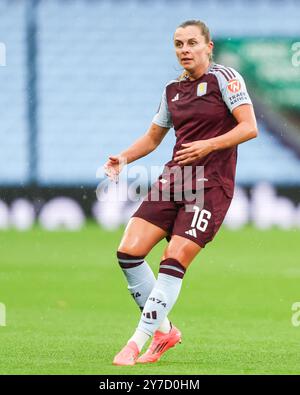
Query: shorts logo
x,y
191,232
234,86
202,89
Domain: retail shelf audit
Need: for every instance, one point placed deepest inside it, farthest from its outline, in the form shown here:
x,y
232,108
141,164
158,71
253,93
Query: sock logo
x,y
136,295
158,301
149,315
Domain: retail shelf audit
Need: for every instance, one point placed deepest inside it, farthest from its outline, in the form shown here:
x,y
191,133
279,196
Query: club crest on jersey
x,y
234,86
201,89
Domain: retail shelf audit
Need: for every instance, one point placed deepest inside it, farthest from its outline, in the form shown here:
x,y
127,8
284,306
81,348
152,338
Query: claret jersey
x,y
200,110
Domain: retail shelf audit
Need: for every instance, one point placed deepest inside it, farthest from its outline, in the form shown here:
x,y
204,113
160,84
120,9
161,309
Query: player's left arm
x,y
245,129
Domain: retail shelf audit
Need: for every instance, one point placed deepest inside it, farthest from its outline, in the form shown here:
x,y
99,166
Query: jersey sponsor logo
x,y
202,89
239,97
234,86
176,97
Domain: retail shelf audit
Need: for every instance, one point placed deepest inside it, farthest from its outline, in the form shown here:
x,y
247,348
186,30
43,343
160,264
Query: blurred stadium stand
x,y
101,67
13,111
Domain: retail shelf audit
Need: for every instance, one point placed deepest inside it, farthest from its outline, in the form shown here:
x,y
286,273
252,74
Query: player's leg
x,y
200,226
176,258
159,303
139,238
181,249
148,225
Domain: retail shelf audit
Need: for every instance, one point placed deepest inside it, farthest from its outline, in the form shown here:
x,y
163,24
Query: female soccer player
x,y
211,112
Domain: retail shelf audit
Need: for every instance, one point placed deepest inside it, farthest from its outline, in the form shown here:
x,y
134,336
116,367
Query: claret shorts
x,y
198,225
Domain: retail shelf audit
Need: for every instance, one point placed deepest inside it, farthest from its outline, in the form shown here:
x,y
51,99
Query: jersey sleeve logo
x,y
234,86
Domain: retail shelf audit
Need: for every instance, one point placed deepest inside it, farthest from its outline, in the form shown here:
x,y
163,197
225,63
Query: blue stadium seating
x,y
266,159
102,66
13,130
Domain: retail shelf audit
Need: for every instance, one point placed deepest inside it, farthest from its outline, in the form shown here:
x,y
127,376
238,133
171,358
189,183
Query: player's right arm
x,y
159,127
141,147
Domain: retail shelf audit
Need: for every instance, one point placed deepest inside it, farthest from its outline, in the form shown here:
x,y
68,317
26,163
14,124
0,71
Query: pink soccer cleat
x,y
127,356
160,344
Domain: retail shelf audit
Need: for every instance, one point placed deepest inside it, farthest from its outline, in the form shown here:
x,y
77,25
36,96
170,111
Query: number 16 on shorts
x,y
200,219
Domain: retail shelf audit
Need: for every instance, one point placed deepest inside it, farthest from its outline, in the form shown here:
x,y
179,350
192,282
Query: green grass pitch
x,y
68,310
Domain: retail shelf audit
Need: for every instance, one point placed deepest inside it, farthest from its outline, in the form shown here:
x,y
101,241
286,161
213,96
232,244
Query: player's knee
x,y
180,255
171,252
132,247
128,256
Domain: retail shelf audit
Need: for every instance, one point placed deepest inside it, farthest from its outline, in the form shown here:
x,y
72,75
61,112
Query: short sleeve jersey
x,y
200,110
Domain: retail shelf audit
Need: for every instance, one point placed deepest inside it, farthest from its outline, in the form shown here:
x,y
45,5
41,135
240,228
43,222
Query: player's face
x,y
191,49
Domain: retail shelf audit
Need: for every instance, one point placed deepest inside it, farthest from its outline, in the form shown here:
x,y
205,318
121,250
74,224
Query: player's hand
x,y
193,151
114,166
